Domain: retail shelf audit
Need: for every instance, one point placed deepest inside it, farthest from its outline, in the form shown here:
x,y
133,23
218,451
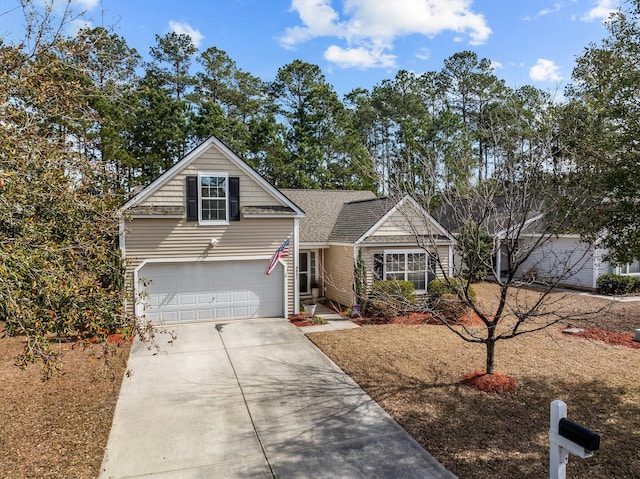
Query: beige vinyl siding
x,y
406,221
165,238
172,193
338,274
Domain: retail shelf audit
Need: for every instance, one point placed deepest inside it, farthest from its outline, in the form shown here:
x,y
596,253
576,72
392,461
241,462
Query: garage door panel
x,y
204,298
186,292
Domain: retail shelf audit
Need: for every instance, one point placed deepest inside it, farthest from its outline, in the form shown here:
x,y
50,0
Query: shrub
x,y
476,250
617,284
454,286
390,298
449,305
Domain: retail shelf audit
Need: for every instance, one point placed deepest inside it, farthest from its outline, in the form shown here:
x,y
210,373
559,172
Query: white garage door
x,y
207,291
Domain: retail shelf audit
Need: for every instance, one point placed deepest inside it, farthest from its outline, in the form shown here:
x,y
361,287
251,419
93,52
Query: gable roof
x,y
322,208
497,218
350,216
358,217
289,209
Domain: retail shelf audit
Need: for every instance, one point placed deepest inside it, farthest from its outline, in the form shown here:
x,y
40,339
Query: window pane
x,y
394,262
418,280
399,276
214,210
416,262
213,204
634,267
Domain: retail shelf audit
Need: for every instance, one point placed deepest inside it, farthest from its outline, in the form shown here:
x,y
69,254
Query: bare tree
x,y
508,228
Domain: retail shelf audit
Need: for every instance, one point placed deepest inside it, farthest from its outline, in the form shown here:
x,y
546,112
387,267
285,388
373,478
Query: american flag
x,y
282,251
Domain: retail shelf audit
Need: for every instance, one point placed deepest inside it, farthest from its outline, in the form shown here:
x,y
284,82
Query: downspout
x,y
296,266
121,245
354,299
121,229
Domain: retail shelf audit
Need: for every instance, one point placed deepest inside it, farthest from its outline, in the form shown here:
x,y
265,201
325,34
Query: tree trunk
x,y
491,345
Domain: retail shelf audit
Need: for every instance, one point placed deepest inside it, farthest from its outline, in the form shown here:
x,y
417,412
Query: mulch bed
x,y
301,320
609,337
496,383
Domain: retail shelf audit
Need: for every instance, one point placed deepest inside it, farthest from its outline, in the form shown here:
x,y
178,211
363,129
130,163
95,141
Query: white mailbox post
x,y
567,437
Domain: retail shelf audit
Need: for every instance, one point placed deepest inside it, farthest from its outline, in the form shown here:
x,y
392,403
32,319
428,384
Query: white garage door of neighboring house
x,y
207,291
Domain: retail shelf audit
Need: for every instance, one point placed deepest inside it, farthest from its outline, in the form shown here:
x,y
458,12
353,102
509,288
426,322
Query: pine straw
x,y
414,372
58,428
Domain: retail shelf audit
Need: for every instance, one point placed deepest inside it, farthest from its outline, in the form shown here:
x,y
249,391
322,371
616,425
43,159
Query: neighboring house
x,y
197,242
389,238
562,257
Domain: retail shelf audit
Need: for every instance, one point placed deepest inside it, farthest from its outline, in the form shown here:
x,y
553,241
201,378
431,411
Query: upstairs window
x,y
213,190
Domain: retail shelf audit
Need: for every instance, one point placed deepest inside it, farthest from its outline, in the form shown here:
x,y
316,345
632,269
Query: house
x,y
389,238
551,254
563,259
198,239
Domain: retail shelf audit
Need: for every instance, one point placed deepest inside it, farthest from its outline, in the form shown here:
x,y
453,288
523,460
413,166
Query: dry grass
x,y
414,371
58,428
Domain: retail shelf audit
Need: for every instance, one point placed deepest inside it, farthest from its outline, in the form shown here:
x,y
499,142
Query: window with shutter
x,y
213,198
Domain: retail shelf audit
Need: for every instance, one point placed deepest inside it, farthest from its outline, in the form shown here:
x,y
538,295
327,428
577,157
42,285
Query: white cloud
x,y
545,70
186,29
319,19
369,28
74,26
423,54
87,4
547,11
496,65
59,7
601,11
359,57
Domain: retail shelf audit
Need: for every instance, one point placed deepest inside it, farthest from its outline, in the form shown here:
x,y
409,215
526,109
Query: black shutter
x,y
378,266
192,198
431,271
234,198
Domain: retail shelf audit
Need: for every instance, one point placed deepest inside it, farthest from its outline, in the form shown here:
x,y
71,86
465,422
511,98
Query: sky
x,y
359,43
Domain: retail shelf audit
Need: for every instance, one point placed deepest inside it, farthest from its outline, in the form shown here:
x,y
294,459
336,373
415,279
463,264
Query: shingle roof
x,y
493,214
267,210
357,217
322,208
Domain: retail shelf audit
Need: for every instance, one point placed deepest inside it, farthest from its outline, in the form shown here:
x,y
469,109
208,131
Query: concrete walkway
x,y
333,319
252,399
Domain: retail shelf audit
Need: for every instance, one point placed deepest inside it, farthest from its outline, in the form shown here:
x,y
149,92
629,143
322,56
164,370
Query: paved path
x,y
252,399
333,319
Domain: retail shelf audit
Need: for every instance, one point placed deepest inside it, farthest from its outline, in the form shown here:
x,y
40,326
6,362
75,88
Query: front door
x,y
304,272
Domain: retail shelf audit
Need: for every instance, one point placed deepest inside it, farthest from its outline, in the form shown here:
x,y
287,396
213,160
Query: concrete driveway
x,y
252,399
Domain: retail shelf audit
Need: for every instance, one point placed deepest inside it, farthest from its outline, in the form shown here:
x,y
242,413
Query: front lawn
x,y
58,428
414,373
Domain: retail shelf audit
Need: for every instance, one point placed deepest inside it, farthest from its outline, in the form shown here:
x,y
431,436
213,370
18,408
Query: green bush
x,y
476,251
617,284
453,286
390,298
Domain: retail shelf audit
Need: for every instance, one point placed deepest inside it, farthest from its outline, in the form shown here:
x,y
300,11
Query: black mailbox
x,y
579,434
